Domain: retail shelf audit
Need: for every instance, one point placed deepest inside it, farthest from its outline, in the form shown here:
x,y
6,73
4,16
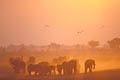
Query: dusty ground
x,y
100,75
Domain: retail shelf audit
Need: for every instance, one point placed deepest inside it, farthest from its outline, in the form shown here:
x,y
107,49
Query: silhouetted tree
x,y
77,46
93,44
114,43
2,50
54,46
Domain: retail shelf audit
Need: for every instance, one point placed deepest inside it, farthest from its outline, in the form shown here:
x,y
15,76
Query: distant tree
x,y
93,44
32,60
114,43
54,46
2,50
77,46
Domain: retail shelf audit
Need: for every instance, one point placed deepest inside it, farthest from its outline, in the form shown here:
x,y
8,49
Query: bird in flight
x,y
102,26
47,25
80,32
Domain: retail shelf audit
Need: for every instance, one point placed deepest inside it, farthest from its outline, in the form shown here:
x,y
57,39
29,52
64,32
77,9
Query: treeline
x,y
111,44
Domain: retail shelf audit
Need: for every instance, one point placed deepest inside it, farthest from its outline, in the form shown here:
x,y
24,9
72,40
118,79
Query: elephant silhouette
x,y
59,69
18,65
89,65
41,69
38,69
74,66
51,69
70,68
67,68
33,68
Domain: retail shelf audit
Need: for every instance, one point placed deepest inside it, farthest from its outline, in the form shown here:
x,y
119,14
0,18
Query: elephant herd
x,y
71,67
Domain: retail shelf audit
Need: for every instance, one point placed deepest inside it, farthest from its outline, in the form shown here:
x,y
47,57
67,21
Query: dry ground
x,y
100,75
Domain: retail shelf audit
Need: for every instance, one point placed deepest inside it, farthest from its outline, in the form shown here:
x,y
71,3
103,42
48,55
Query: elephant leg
x,y
71,71
60,72
75,71
17,71
35,73
29,73
90,69
65,72
50,73
86,70
24,71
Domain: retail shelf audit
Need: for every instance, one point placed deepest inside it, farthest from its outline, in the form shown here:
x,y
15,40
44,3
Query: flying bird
x,y
47,25
80,32
102,26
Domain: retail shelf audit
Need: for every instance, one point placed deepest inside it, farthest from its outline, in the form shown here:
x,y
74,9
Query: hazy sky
x,y
25,21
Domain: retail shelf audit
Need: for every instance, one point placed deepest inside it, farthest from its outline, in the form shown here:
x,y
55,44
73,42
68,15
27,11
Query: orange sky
x,y
23,21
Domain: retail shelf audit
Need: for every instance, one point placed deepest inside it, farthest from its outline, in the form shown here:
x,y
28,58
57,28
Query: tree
x,y
54,46
93,44
114,43
77,46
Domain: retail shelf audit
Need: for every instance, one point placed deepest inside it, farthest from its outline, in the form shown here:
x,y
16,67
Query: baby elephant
x,y
89,65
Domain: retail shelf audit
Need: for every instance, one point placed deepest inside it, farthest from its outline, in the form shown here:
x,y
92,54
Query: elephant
x,y
67,69
70,68
33,68
89,65
18,65
52,68
59,69
41,69
49,70
74,66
